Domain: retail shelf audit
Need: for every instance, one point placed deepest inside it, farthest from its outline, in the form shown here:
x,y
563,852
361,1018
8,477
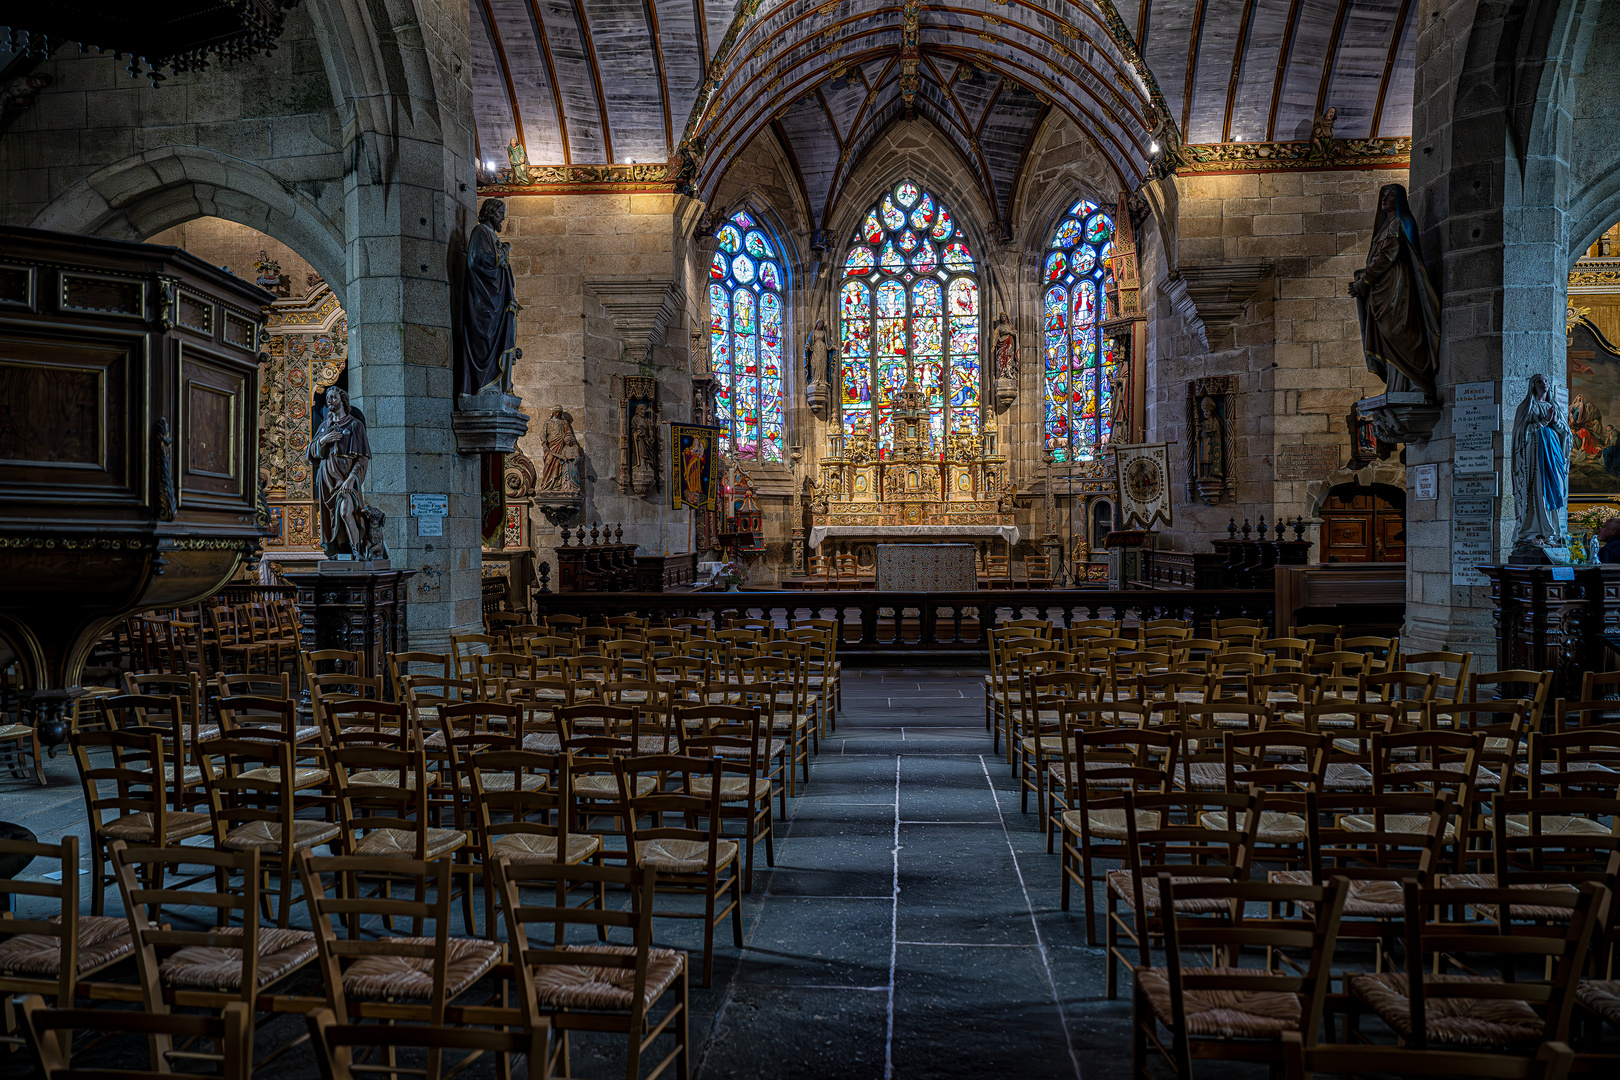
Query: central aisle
x,y
911,927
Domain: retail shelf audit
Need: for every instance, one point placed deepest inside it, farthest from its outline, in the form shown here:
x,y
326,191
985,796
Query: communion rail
x,y
937,621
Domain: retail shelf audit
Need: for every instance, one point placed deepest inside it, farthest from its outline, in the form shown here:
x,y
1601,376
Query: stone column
x,y
407,199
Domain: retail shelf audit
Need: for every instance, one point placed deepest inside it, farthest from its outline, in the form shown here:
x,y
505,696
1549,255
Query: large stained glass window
x,y
909,287
745,338
1080,362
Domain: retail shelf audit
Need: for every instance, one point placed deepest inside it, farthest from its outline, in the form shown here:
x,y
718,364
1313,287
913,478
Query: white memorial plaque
x,y
1474,392
1474,440
1476,417
1425,482
430,525
1470,548
1471,508
1464,487
430,506
1473,462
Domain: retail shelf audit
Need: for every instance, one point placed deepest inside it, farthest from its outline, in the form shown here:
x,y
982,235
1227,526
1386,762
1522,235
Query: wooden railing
x,y
885,621
251,592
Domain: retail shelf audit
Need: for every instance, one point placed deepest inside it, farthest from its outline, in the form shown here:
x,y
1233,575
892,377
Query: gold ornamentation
x,y
1279,156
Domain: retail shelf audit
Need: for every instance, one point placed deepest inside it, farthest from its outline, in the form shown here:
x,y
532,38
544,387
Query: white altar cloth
x,y
818,533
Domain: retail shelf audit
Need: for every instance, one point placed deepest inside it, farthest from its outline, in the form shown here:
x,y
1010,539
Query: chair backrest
x,y
235,913
353,721
48,1033
523,803
1431,938
64,923
1583,761
463,647
247,713
187,686
1450,669
431,664
325,661
351,906
1377,841
334,1044
1234,929
242,794
135,774
383,788
675,810
516,880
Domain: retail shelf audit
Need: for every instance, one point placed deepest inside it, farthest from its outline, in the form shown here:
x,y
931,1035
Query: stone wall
x,y
1294,347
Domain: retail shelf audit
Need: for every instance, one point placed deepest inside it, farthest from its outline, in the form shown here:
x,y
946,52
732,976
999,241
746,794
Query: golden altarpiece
x,y
920,492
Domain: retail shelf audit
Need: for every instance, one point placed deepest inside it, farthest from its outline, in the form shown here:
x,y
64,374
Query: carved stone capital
x,y
488,423
1400,417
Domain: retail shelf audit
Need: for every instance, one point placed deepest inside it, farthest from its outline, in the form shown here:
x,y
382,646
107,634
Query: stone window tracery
x,y
910,287
1079,369
746,280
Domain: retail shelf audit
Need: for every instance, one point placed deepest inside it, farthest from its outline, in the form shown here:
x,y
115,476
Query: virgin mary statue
x,y
1396,301
1541,445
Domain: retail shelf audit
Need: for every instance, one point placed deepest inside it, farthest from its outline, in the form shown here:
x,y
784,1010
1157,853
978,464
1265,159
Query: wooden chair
x,y
1553,1061
382,975
690,857
232,961
188,687
51,955
1450,674
463,647
1099,766
138,809
1037,571
998,572
166,716
1439,762
234,643
1166,834
334,1045
1428,1008
609,987
254,808
48,1033
742,746
1231,1012
1325,636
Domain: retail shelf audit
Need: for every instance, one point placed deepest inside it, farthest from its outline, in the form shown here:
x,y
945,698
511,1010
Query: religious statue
x,y
1211,446
341,455
694,464
1541,445
1119,405
518,157
818,355
1166,145
486,345
556,436
1322,134
568,480
1400,313
1005,349
642,434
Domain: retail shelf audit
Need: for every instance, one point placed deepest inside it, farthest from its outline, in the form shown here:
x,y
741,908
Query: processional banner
x,y
694,467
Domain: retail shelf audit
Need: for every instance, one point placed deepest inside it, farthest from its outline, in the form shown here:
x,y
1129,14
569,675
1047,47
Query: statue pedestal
x,y
1401,416
346,566
488,423
816,397
352,608
559,510
1006,392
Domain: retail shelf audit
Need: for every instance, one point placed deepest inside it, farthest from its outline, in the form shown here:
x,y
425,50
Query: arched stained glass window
x,y
745,338
1079,368
910,288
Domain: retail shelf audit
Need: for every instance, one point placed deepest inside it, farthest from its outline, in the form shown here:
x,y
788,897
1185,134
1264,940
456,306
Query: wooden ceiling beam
x,y
551,76
1397,33
1237,68
584,25
506,69
1283,54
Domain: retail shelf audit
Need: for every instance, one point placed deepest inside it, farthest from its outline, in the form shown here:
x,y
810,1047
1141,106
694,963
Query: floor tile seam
x,y
969,945
1040,941
894,933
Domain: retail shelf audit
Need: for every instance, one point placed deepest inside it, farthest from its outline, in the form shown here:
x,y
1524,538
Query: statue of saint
x,y
518,157
820,355
1322,134
1400,313
1119,405
1211,447
555,436
643,436
568,479
487,342
341,455
1541,445
1006,348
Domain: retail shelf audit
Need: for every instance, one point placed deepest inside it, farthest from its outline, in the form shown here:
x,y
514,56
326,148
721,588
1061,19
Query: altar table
x,y
927,567
878,533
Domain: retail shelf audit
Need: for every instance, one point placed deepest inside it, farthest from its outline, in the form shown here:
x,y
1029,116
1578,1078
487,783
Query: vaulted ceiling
x,y
617,81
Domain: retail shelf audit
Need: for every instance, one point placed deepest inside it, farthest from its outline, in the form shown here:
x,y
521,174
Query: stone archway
x,y
1379,473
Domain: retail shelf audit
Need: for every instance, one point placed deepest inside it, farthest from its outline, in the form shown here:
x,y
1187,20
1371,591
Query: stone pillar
x,y
403,226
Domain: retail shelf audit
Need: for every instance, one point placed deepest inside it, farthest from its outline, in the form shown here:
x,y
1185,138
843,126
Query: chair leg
x,y
683,1045
736,912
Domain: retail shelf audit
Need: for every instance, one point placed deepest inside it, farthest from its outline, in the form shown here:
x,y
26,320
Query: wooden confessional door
x,y
1363,524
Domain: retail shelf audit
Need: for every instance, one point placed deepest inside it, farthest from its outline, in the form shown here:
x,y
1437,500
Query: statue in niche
x,y
1396,301
1211,447
518,158
1541,446
1119,404
341,454
559,451
819,355
642,436
1005,349
1322,134
486,346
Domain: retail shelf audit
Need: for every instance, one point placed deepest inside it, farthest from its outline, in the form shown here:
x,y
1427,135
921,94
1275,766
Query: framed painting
x,y
694,466
1594,414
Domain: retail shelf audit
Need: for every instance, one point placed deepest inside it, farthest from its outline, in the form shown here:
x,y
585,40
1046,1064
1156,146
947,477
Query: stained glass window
x,y
745,338
910,288
1079,361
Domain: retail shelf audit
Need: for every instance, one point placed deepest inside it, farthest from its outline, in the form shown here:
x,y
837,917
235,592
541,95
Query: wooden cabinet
x,y
1363,524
